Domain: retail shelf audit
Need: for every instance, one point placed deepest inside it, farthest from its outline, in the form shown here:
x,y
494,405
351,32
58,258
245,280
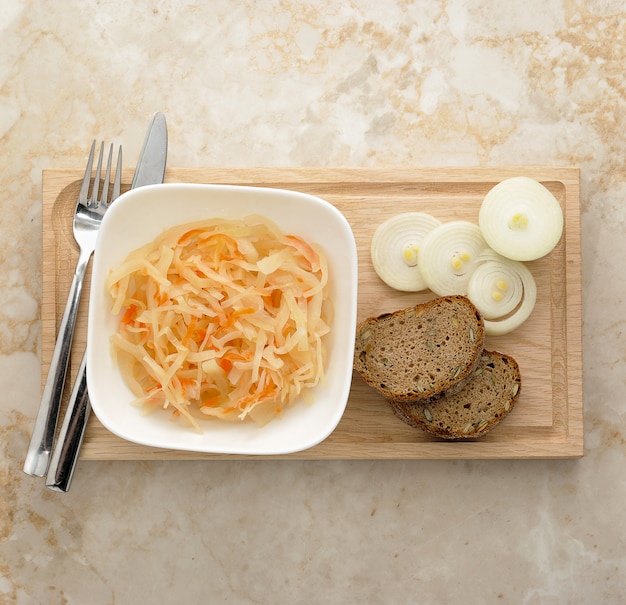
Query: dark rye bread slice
x,y
416,353
472,412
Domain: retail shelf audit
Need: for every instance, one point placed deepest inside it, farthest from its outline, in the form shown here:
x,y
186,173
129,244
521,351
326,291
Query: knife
x,y
150,171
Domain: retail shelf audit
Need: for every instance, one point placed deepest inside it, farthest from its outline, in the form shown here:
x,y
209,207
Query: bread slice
x,y
417,353
472,412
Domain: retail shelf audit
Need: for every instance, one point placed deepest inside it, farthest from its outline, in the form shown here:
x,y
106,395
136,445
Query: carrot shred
x,y
129,314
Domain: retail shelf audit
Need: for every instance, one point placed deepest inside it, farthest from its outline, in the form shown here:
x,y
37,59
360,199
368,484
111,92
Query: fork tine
x,y
107,178
93,198
84,188
117,183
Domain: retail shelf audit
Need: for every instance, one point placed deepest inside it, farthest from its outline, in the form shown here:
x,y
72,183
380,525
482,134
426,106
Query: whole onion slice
x,y
448,256
504,291
520,219
395,247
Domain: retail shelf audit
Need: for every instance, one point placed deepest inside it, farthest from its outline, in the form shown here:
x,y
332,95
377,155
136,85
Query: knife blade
x,y
150,170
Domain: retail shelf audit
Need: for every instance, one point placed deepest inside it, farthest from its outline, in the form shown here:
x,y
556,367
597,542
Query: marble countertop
x,y
331,83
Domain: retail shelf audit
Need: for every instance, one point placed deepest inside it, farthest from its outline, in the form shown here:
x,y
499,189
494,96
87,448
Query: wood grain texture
x,y
547,422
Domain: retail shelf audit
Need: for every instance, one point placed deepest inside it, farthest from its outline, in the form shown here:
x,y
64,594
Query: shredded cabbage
x,y
223,319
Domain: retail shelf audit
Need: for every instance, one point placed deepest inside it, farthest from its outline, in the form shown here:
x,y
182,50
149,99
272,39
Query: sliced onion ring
x,y
448,256
504,291
521,219
395,248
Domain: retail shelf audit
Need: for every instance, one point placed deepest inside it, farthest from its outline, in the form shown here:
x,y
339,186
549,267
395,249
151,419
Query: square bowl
x,y
136,218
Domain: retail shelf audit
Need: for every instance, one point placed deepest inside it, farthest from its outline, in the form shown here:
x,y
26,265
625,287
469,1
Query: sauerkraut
x,y
223,319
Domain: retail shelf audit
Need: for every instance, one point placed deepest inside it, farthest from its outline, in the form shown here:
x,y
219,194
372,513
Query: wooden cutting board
x,y
547,421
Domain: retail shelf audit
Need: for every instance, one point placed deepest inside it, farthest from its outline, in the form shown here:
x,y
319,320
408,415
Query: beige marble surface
x,y
329,83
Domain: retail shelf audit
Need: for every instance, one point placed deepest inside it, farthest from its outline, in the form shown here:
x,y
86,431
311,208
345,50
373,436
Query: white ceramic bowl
x,y
136,218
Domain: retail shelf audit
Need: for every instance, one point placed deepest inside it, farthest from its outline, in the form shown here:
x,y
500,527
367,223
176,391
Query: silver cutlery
x,y
150,170
67,448
87,218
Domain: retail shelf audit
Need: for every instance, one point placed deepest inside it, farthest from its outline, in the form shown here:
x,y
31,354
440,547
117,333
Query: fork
x,y
87,218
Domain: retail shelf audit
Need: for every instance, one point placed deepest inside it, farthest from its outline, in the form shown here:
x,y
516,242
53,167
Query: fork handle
x,y
65,454
38,455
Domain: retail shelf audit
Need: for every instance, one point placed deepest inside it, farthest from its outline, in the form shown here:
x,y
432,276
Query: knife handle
x,y
65,454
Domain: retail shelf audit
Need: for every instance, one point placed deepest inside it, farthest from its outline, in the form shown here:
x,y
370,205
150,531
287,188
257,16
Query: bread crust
x,y
420,352
485,401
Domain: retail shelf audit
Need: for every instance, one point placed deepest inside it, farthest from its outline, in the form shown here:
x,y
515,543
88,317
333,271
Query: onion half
x,y
448,256
520,219
503,291
395,247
